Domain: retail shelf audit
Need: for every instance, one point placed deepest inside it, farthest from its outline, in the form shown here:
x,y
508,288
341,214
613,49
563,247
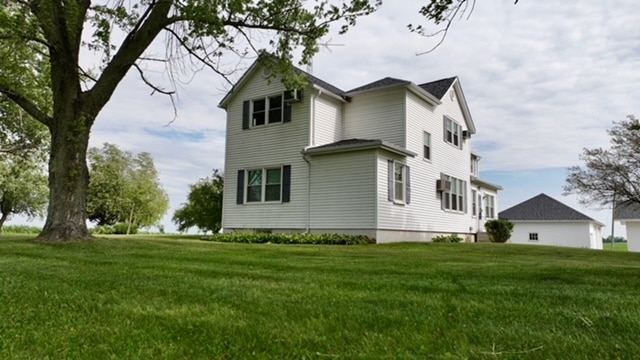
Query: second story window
x,y
427,146
267,110
452,132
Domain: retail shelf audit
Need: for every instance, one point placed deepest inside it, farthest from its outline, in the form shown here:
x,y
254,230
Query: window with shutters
x,y
273,109
264,185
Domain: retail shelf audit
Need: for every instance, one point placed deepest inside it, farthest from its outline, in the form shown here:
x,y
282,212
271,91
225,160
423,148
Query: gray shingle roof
x,y
388,81
626,211
358,144
321,83
438,88
543,208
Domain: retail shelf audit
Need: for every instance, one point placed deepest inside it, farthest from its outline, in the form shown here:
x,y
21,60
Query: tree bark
x,y
68,181
3,218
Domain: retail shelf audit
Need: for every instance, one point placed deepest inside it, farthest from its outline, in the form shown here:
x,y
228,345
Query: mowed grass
x,y
163,298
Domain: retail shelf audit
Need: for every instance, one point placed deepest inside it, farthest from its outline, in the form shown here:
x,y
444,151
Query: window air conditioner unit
x,y
443,185
291,96
466,134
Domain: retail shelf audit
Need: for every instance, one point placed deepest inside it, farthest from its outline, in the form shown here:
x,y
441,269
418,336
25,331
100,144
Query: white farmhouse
x,y
391,160
543,220
628,213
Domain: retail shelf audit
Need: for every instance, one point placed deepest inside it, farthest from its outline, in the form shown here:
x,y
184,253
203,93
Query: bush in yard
x,y
311,239
447,239
21,229
121,229
499,230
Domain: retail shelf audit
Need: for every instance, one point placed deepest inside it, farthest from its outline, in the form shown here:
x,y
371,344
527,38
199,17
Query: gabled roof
x,y
314,81
626,211
543,208
382,83
438,88
357,144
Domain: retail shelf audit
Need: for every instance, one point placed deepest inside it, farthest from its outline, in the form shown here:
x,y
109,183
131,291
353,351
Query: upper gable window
x,y
452,132
267,110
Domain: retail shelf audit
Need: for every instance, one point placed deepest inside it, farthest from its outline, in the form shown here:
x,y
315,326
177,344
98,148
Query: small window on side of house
x,y
426,146
533,236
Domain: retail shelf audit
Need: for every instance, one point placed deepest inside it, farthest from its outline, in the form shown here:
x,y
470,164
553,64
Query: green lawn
x,y
149,297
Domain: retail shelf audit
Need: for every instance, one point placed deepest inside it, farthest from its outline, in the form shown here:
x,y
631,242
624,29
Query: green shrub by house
x,y
499,230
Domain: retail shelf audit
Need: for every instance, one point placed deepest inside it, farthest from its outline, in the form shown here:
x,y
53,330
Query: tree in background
x,y
124,189
203,208
610,175
23,186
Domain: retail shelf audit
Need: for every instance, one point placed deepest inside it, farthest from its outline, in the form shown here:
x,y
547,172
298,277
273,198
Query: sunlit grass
x,y
165,298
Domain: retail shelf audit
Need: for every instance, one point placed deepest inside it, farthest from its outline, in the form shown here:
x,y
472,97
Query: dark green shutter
x,y
286,183
246,114
408,184
390,180
287,112
240,188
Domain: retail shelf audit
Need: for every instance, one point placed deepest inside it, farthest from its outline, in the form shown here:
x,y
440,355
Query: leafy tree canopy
x,y
124,188
609,175
203,208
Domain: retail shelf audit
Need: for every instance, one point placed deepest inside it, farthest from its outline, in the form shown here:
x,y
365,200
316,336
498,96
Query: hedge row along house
x,y
391,159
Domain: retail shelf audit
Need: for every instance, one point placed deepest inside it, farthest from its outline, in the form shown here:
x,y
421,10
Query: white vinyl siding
x,y
377,115
327,121
265,147
426,206
342,190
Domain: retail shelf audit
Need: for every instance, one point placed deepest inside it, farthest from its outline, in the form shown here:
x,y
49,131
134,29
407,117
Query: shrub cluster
x,y
21,229
314,239
447,239
117,229
499,230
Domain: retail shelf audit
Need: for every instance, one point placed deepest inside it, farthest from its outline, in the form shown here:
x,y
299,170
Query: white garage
x,y
628,214
543,220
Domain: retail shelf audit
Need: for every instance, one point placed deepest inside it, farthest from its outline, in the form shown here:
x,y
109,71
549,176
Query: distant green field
x,y
150,297
616,246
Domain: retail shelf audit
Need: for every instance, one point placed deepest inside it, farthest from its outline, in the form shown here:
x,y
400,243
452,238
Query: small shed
x,y
543,220
628,213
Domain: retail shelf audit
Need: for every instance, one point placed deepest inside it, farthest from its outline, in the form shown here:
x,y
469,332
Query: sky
x,y
543,80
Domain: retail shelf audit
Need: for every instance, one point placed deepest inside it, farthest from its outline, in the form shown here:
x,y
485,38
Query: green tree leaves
x,y
203,208
124,188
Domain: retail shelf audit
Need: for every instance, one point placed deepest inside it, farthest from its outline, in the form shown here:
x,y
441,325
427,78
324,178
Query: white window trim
x,y
490,203
462,192
427,135
266,110
263,192
404,183
456,129
474,203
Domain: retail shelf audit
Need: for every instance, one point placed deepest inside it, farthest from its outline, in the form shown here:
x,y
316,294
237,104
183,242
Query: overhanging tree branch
x,y
27,105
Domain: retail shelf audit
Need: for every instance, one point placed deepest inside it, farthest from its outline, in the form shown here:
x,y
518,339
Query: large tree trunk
x,y
3,218
68,181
